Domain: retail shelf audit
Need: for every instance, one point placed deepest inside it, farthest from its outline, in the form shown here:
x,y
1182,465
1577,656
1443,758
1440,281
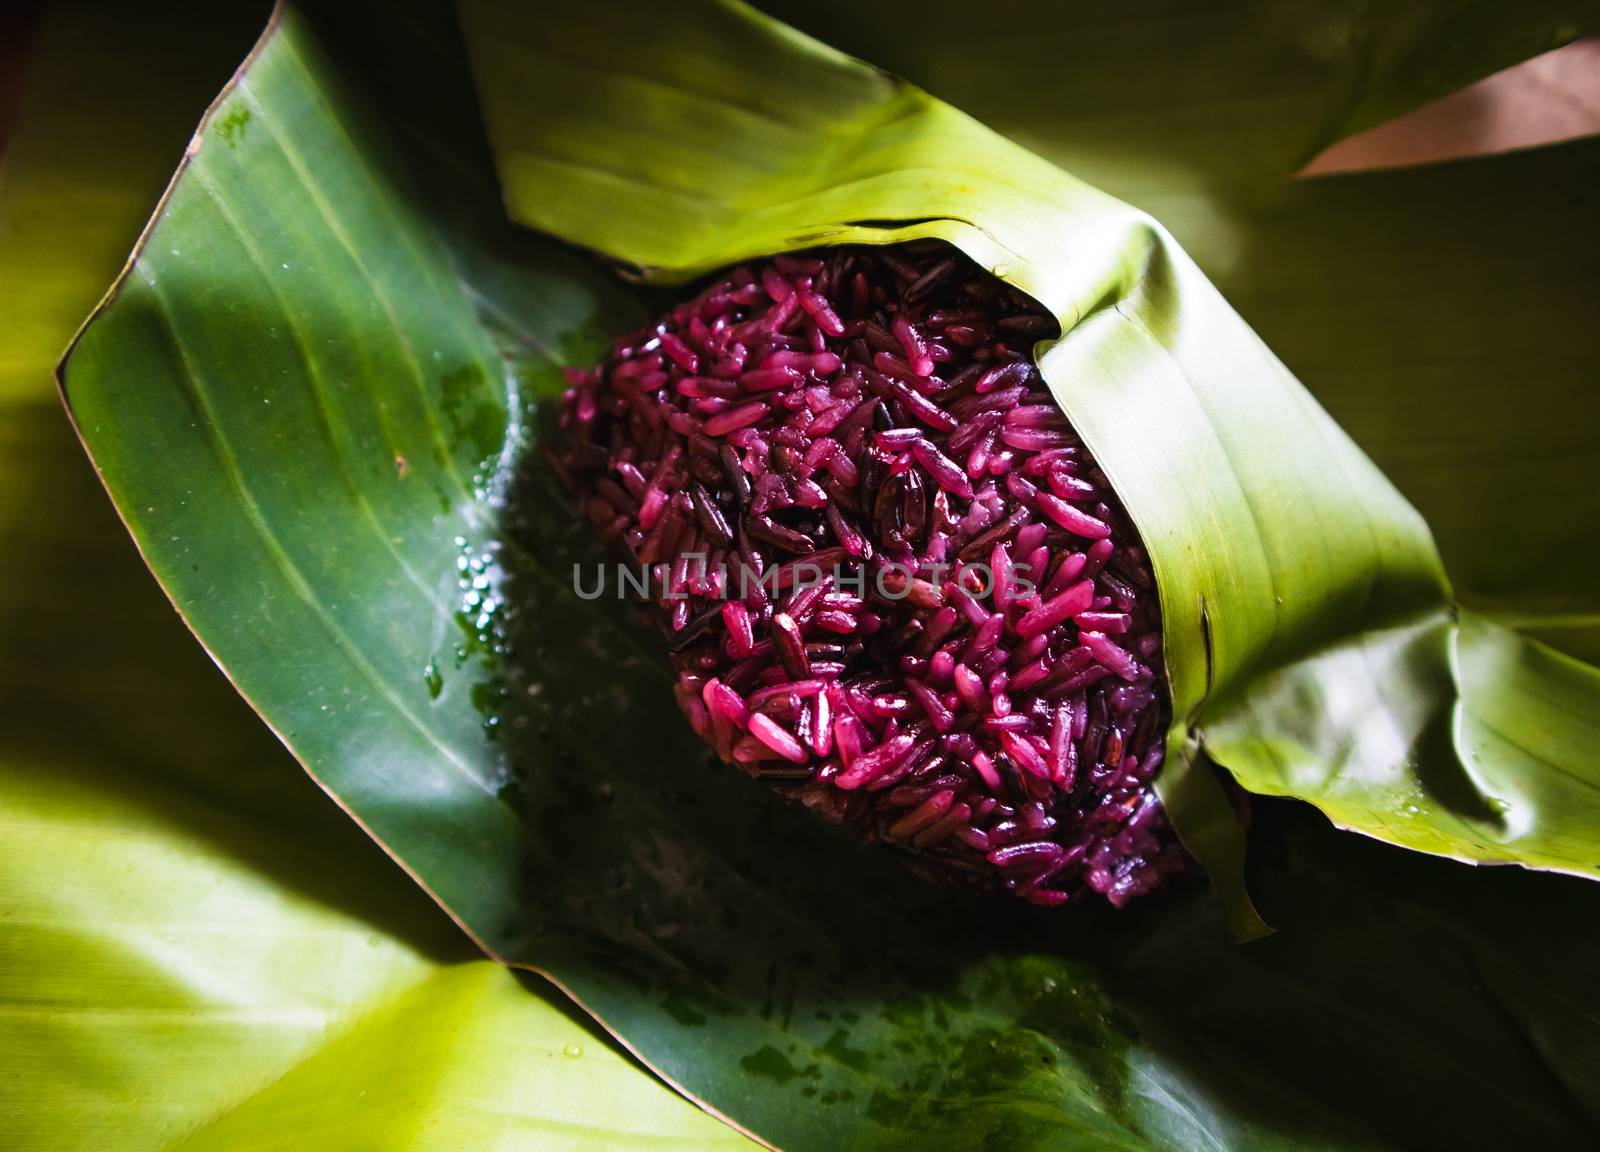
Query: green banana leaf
x,y
312,398
1386,293
197,951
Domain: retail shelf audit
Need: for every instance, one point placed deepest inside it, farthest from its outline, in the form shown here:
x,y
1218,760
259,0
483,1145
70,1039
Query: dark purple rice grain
x,y
989,700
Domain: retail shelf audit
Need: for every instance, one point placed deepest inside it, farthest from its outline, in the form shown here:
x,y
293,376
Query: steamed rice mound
x,y
895,584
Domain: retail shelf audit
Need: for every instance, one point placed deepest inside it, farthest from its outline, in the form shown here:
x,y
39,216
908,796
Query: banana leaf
x,y
1385,293
1456,361
316,397
196,950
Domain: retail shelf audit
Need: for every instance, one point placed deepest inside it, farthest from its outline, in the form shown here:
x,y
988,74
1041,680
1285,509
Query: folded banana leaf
x,y
1307,627
1429,336
1385,293
197,951
307,396
1367,285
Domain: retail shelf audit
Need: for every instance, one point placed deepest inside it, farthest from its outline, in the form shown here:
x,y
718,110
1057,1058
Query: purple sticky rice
x,y
896,585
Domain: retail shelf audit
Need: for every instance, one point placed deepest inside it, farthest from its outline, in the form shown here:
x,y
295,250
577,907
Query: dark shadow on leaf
x,y
1444,778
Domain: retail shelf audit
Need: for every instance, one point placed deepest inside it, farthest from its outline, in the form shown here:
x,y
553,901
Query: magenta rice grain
x,y
894,582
